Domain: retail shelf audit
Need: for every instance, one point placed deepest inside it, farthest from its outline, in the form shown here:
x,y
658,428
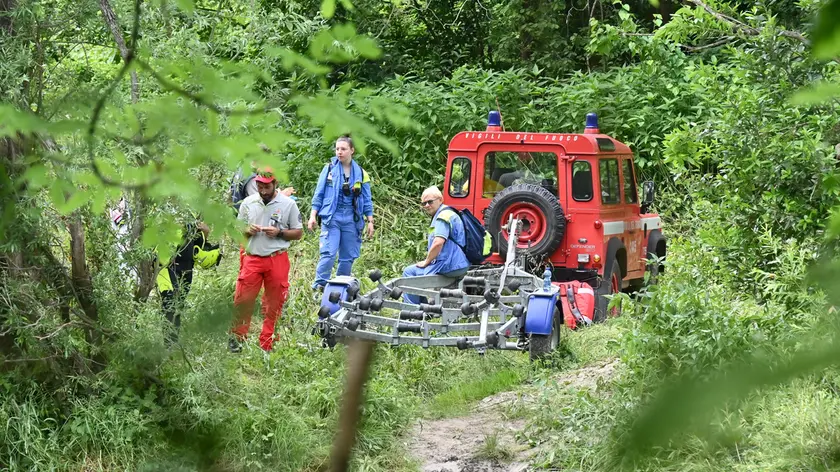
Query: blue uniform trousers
x,y
414,271
341,237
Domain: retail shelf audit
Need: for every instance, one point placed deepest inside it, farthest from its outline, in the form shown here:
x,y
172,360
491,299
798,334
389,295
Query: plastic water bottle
x,y
547,279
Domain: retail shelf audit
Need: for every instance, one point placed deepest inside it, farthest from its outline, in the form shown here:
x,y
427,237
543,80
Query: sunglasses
x,y
428,202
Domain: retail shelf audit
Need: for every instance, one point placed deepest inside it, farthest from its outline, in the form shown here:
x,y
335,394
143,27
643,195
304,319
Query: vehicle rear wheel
x,y
655,267
610,285
656,249
541,345
543,223
655,264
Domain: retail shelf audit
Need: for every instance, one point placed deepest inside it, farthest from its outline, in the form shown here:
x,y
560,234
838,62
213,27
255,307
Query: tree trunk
x,y
666,8
147,268
116,32
80,277
36,258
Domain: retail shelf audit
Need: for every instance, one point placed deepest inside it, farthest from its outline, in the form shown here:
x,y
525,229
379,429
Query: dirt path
x,y
485,441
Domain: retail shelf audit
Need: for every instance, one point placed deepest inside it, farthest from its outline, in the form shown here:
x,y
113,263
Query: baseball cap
x,y
265,175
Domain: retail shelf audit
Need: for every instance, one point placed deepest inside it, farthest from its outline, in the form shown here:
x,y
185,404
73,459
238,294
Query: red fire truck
x,y
575,194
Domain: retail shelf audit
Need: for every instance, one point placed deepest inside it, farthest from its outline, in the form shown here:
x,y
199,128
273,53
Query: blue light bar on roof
x,y
494,121
591,124
494,118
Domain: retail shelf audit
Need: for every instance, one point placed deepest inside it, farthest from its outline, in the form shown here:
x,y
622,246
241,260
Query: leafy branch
x,y
195,98
744,28
714,44
128,59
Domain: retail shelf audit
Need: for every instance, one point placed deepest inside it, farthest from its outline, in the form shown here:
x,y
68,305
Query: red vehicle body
x,y
575,193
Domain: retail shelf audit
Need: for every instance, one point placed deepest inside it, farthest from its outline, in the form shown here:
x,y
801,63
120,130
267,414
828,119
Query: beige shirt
x,y
281,212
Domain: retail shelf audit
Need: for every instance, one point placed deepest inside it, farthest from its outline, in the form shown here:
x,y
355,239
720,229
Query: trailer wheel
x,y
543,223
610,285
541,345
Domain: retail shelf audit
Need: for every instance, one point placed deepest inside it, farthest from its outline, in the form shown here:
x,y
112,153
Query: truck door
x,y
634,239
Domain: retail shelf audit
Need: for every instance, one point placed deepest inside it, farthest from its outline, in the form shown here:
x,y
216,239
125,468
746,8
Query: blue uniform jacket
x,y
328,191
447,224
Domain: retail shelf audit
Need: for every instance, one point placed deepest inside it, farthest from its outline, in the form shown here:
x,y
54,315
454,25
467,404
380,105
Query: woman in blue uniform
x,y
343,202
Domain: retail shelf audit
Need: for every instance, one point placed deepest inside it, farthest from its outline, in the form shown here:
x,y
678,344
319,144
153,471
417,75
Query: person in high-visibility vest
x,y
175,278
343,202
444,253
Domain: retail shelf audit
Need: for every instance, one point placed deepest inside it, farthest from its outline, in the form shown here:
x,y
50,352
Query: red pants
x,y
256,271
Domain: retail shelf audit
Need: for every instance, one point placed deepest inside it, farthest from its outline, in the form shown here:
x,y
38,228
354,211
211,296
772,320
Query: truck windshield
x,y
505,168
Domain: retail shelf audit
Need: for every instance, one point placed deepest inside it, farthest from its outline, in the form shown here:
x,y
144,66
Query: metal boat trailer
x,y
505,305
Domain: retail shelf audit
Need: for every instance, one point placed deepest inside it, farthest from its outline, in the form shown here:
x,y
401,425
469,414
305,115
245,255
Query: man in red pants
x,y
273,220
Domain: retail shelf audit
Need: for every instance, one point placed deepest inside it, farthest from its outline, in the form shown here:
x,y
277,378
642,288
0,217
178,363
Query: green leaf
x,y
36,177
291,59
186,5
64,127
14,121
366,47
834,224
97,201
56,194
161,234
327,8
66,198
816,94
826,35
76,201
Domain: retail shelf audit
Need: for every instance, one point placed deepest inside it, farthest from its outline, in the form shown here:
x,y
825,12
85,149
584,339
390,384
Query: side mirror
x,y
648,190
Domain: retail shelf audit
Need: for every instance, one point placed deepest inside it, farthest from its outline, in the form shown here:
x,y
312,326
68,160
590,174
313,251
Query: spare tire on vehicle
x,y
543,223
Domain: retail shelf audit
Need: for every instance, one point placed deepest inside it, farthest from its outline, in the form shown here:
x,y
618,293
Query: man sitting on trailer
x,y
444,255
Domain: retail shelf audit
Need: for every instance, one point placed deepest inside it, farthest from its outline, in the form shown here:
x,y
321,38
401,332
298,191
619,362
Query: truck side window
x,y
629,182
582,181
459,177
608,169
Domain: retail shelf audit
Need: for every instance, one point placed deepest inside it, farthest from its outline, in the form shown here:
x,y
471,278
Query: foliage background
x,y
747,177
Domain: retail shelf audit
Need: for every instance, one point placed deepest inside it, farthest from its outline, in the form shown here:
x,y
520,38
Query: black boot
x,y
234,346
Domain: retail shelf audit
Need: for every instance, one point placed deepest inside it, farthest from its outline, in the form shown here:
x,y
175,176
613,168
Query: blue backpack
x,y
478,242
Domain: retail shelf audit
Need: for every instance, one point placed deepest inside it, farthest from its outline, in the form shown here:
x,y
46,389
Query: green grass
x,y
596,343
494,450
458,398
